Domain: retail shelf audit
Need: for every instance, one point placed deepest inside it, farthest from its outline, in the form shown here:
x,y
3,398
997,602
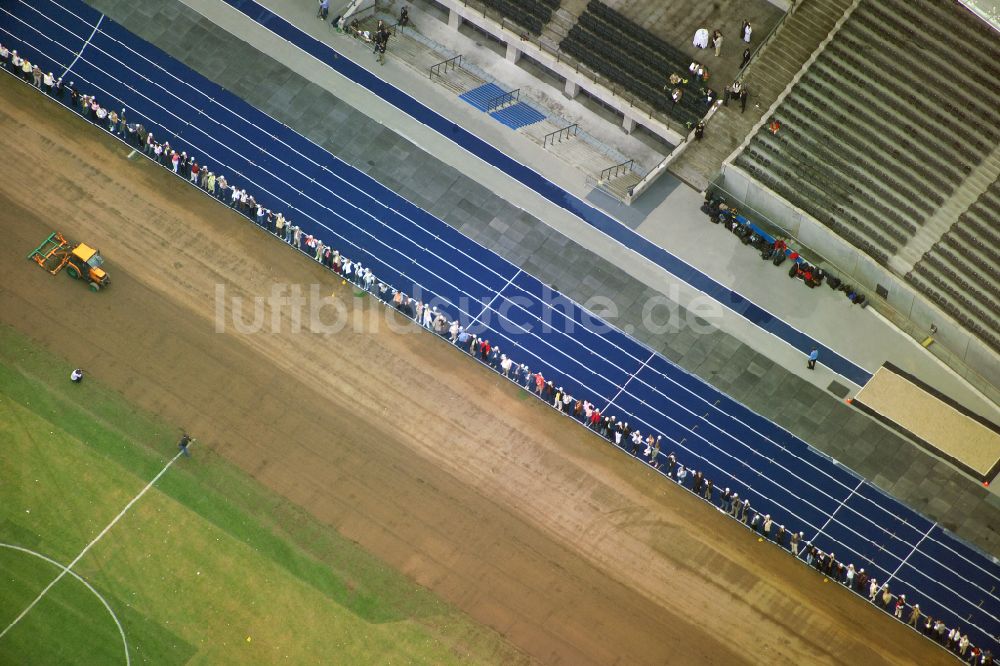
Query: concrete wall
x,y
458,12
910,310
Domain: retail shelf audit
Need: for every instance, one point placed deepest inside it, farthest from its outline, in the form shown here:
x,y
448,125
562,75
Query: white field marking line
x,y
364,193
528,168
915,548
517,345
66,569
418,226
85,44
121,630
839,507
631,377
368,195
489,306
184,101
334,212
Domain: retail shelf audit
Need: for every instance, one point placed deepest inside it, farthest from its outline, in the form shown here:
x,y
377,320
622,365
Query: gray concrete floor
x,y
739,358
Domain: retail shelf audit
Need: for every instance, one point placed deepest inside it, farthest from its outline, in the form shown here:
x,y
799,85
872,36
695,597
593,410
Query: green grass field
x,y
207,567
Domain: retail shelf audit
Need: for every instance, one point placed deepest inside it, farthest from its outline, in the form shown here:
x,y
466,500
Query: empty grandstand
x,y
961,272
887,138
616,47
532,15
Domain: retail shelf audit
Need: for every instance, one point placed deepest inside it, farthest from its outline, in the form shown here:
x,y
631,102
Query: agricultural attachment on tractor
x,y
80,261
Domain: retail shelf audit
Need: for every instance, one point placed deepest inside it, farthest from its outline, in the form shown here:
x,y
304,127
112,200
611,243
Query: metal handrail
x,y
501,100
617,170
450,63
560,134
646,108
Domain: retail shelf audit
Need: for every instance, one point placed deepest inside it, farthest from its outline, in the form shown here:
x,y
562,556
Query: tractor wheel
x,y
72,272
95,287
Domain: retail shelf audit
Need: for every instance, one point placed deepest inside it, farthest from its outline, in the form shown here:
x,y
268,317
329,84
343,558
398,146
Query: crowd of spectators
x,y
646,446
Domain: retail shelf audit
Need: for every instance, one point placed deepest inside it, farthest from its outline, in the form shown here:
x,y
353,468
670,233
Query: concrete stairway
x,y
942,219
562,21
766,78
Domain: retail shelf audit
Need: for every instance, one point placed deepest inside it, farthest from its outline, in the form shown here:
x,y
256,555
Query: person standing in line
x,y
813,357
779,538
505,364
914,616
708,489
796,538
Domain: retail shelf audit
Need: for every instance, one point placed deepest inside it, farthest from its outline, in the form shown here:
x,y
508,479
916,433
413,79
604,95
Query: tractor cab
x,y
88,262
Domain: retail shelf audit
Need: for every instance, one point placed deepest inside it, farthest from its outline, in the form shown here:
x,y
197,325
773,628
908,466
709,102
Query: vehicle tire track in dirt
x,y
501,506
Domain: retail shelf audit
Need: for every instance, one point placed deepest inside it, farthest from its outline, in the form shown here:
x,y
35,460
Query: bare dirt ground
x,y
533,526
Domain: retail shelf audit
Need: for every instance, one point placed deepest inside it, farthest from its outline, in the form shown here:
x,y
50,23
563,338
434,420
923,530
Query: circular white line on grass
x,y
121,630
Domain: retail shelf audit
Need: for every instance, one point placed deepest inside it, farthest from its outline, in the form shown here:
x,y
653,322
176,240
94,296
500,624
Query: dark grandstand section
x,y
894,115
616,47
961,273
532,15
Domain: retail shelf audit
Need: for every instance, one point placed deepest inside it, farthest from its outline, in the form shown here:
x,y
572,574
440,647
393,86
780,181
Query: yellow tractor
x,y
81,261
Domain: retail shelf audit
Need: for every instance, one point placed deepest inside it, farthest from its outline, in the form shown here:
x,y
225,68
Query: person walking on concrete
x,y
183,444
813,357
381,43
324,9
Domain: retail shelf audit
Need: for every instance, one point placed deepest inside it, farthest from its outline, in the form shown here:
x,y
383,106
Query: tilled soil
x,y
533,526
